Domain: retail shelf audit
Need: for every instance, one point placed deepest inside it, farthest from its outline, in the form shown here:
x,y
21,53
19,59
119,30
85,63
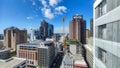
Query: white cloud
x,y
44,3
60,9
50,8
29,17
47,13
54,2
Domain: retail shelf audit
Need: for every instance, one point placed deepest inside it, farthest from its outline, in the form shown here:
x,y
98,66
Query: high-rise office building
x,y
46,30
38,53
1,36
107,33
50,30
14,36
46,54
77,28
35,34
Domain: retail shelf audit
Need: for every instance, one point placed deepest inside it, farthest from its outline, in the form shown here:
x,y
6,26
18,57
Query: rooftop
x,y
11,28
35,43
31,43
4,50
11,63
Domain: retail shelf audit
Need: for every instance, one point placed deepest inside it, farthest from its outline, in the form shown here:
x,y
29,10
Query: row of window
x,y
108,59
106,6
101,9
109,31
28,48
102,55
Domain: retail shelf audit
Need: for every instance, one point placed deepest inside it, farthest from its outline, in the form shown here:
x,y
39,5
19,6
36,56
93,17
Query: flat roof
x,y
4,50
11,63
35,43
47,42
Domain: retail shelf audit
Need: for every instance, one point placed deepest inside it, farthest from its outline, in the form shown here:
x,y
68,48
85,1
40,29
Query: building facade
x,y
1,37
87,33
50,30
46,53
14,36
38,54
46,29
35,34
107,33
89,52
77,28
4,54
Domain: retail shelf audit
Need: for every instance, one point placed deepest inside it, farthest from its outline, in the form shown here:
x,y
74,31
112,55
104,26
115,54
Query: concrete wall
x,y
112,42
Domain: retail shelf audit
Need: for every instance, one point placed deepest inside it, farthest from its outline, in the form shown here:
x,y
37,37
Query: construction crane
x,y
63,20
63,35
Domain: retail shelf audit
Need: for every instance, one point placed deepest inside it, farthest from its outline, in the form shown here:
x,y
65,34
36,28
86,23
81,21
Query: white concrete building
x,y
107,33
68,61
73,48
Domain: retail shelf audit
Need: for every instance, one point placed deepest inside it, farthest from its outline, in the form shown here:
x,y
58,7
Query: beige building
x,y
28,51
14,36
38,53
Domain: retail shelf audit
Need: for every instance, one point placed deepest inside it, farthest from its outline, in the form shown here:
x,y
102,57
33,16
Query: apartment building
x,y
14,36
38,53
77,28
107,33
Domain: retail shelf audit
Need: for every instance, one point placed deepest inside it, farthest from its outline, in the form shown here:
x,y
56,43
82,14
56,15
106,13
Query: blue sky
x,y
29,13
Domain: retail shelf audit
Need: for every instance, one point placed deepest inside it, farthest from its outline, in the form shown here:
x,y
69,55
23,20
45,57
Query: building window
x,y
101,9
102,31
102,55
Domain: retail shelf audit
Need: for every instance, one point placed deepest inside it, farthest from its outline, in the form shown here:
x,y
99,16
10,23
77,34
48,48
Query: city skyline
x,y
29,13
59,33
